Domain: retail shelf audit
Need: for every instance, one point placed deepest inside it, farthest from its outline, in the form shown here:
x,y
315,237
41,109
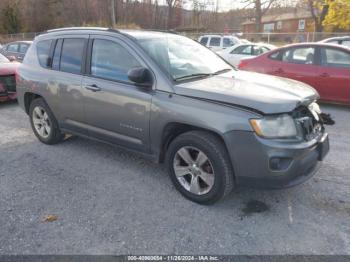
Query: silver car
x,y
174,101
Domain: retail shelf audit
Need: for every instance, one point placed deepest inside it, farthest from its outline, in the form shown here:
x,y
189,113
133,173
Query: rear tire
x,y
199,167
44,123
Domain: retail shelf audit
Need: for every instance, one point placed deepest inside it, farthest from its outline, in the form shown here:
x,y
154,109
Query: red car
x,y
325,67
7,79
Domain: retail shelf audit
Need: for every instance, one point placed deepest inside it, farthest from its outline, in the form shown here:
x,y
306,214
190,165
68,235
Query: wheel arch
x,y
28,99
174,129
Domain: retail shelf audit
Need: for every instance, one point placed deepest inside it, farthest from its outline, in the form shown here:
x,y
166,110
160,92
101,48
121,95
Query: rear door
x,y
334,74
66,78
117,111
297,63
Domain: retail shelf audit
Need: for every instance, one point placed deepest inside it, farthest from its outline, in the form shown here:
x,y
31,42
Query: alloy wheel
x,y
193,170
41,122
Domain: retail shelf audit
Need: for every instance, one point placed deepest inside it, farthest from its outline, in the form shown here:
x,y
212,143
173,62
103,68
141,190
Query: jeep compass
x,y
174,101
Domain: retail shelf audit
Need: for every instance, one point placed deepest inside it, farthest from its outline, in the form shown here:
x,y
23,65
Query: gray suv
x,y
174,101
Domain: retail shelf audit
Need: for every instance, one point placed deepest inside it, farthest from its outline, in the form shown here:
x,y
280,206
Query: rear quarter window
x,y
43,52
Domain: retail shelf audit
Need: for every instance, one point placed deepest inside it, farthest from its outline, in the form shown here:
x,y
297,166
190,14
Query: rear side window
x,y
12,48
204,40
57,55
43,52
72,54
215,41
112,61
335,58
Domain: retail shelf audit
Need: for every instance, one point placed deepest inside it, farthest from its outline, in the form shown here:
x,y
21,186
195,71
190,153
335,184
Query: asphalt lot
x,y
108,201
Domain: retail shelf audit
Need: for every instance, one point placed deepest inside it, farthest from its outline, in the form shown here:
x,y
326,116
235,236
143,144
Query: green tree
x,y
338,16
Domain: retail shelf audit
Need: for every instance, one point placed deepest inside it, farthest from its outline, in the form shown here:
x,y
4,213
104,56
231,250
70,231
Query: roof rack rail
x,y
82,28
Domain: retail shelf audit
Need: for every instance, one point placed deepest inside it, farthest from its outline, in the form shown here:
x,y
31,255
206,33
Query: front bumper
x,y
267,163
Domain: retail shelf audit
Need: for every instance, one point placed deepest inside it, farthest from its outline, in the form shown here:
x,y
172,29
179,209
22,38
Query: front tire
x,y
199,167
44,123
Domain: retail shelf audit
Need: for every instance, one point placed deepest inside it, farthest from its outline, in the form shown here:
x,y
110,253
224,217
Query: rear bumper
x,y
270,164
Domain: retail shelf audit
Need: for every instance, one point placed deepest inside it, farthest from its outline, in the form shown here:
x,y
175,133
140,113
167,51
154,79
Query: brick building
x,y
297,21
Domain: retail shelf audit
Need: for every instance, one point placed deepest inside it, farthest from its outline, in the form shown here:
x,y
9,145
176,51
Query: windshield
x,y
3,59
181,57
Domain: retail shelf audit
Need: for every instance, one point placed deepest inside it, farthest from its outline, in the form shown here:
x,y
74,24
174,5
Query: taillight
x,y
242,64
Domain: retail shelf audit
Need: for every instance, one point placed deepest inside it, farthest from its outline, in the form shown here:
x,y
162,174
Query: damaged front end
x,y
8,87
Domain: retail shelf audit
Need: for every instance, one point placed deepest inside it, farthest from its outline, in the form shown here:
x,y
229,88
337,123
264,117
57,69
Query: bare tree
x,y
260,9
319,10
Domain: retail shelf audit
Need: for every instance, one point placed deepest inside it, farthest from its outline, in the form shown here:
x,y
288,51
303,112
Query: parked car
x,y
7,79
235,53
16,50
218,42
325,67
341,40
194,112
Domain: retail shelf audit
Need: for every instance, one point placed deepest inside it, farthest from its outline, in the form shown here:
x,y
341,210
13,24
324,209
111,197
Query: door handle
x,y
93,88
324,75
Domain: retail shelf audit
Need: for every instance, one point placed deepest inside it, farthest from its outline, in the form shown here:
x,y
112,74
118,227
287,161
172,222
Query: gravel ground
x,y
108,201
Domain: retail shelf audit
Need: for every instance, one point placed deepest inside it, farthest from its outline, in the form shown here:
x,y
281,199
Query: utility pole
x,y
113,13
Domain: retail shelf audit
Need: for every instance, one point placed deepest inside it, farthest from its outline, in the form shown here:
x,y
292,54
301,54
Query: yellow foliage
x,y
338,14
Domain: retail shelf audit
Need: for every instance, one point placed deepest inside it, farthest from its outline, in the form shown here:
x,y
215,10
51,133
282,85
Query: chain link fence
x,y
17,37
278,39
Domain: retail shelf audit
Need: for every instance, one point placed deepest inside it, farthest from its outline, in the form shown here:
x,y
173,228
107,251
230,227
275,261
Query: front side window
x,y
275,55
112,61
182,57
257,50
71,57
227,42
301,55
346,43
204,40
43,52
215,41
23,48
335,58
12,48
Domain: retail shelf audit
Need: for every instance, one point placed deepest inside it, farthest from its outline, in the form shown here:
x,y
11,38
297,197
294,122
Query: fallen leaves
x,y
50,218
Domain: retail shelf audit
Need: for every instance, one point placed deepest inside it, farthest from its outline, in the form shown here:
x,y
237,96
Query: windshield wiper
x,y
203,74
193,76
222,71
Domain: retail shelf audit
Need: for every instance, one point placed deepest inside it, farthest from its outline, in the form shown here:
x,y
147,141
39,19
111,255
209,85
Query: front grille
x,y
309,123
7,84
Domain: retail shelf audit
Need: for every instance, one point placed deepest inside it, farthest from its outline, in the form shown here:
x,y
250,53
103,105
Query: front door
x,y
297,63
334,75
117,111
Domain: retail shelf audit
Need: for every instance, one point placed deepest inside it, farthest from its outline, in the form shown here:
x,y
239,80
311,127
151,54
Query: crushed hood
x,y
264,93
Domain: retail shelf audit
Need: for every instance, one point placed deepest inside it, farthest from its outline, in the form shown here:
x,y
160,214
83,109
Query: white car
x,y
235,53
218,42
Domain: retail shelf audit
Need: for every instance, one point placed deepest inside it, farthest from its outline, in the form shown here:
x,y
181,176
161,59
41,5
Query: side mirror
x,y
11,58
140,76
